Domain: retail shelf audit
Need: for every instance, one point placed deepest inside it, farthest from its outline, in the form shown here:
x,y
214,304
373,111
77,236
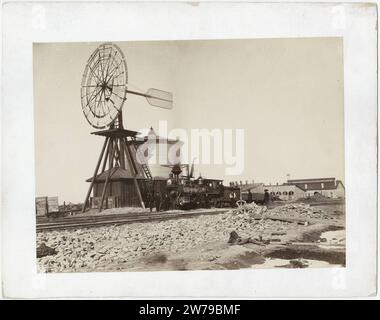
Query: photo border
x,y
26,23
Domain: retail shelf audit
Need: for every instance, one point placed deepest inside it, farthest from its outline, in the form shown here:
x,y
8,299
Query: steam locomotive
x,y
184,192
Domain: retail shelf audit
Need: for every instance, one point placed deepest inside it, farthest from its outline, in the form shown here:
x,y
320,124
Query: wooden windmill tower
x,y
121,172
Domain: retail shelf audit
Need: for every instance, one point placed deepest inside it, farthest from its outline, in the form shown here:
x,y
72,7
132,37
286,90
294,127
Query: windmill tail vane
x,y
156,97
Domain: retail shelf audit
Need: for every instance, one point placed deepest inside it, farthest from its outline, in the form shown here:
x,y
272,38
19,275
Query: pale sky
x,y
287,95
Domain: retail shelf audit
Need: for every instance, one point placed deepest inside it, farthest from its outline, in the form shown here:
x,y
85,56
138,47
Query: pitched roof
x,y
250,186
207,179
285,185
294,181
314,184
160,178
116,174
116,132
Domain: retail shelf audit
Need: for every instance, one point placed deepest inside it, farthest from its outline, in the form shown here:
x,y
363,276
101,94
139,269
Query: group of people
x,y
266,199
158,201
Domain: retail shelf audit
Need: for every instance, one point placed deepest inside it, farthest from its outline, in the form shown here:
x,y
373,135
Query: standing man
x,y
166,202
151,201
232,199
249,197
266,197
157,201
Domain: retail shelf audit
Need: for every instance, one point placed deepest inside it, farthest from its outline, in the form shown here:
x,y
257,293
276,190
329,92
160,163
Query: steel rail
x,y
120,219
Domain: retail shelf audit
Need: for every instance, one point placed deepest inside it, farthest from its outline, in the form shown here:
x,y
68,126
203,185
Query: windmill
x,y
104,90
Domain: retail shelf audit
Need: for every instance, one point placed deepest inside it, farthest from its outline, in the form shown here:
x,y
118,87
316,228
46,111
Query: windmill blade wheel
x,y
104,85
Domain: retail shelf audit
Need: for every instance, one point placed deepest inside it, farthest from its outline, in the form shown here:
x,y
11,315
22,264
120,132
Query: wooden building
x,y
46,205
121,190
286,192
129,179
327,187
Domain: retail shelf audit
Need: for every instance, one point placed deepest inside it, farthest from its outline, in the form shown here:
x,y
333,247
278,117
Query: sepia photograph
x,y
189,155
189,150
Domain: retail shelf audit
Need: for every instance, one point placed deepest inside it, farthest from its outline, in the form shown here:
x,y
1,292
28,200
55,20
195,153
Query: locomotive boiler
x,y
184,192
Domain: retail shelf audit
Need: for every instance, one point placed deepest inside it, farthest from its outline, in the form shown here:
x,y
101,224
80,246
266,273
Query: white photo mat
x,y
26,23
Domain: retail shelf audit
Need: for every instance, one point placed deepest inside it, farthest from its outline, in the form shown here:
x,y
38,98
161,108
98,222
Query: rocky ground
x,y
298,210
188,243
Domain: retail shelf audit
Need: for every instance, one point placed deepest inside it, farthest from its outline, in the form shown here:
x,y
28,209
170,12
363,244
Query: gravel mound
x,y
300,210
94,249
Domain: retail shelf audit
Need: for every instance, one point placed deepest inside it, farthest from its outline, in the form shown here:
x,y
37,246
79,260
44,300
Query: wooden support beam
x,y
110,167
106,158
120,119
132,165
105,189
110,151
117,153
122,153
95,173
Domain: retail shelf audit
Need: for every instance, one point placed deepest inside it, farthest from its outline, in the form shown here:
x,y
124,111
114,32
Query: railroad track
x,y
117,219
